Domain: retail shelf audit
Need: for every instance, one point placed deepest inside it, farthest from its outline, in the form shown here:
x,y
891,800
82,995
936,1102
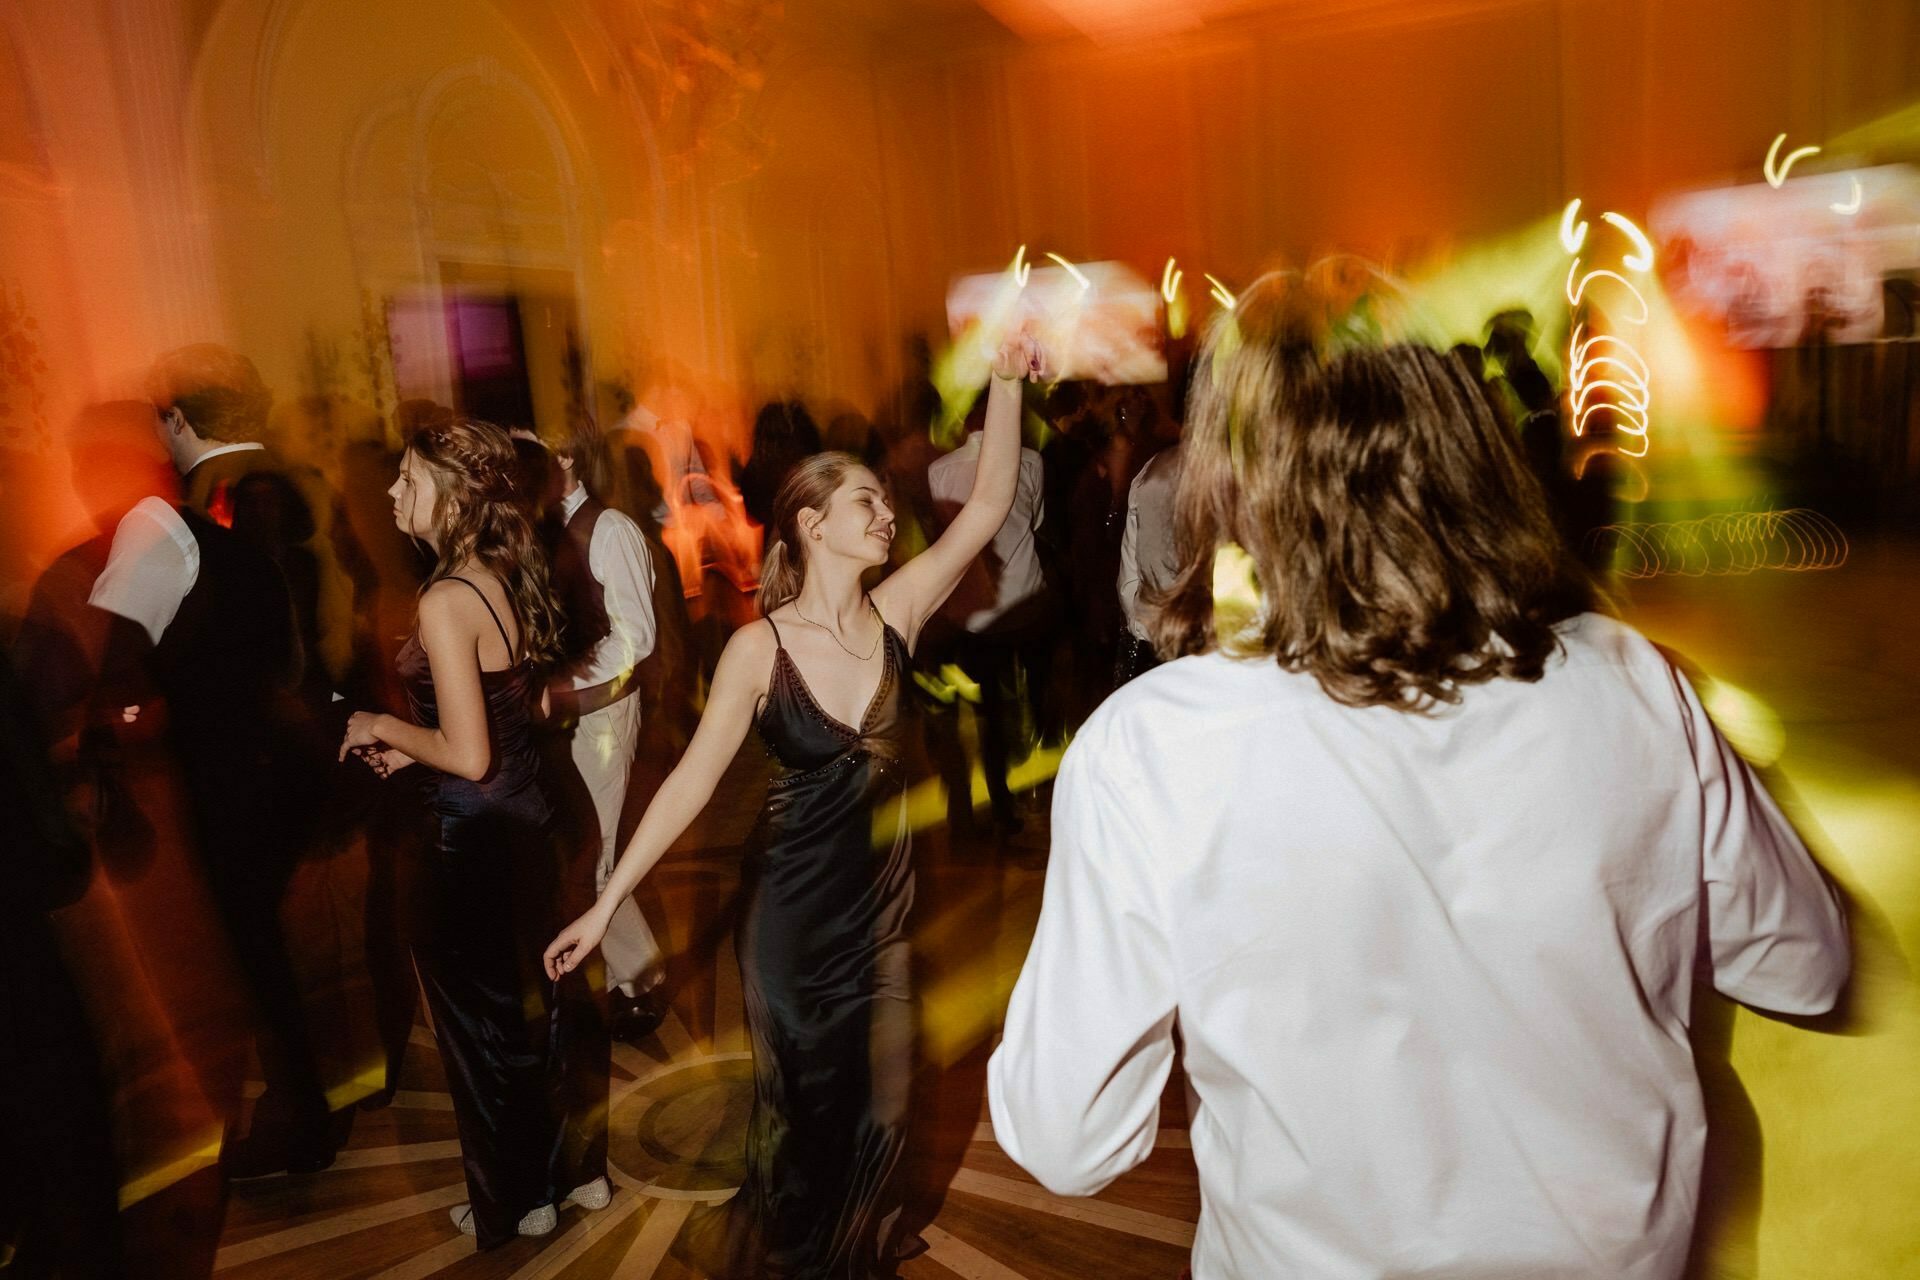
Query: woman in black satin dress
x,y
829,879
484,623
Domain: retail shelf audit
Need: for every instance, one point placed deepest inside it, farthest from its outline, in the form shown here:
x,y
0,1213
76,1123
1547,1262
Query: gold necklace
x,y
836,638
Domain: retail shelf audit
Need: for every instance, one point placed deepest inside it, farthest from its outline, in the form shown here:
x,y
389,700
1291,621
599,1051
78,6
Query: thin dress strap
x,y
777,643
490,613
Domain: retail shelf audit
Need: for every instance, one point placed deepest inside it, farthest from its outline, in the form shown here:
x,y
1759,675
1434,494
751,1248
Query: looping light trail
x,y
1577,293
1572,237
1221,294
1851,205
1073,271
1777,173
1732,543
1021,267
1607,377
1642,258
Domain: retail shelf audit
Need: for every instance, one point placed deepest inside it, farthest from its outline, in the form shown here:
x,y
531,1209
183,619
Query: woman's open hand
x,y
574,944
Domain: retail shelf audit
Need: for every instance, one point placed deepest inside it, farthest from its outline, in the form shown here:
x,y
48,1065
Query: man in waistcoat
x,y
603,576
214,624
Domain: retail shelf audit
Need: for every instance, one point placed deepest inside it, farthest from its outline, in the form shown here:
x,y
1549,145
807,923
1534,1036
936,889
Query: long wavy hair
x,y
810,483
480,518
1400,545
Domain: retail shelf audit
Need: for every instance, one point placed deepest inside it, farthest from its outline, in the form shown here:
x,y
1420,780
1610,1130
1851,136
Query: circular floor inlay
x,y
685,1127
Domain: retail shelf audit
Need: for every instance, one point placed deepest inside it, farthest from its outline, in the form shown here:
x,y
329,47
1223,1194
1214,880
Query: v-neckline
x,y
873,702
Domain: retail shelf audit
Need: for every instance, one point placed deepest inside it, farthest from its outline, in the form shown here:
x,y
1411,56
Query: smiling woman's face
x,y
858,521
414,498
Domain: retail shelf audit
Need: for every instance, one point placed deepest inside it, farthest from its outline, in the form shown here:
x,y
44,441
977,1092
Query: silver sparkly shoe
x,y
537,1222
592,1196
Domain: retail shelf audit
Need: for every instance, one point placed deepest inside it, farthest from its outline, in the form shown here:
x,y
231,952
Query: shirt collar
x,y
245,446
572,502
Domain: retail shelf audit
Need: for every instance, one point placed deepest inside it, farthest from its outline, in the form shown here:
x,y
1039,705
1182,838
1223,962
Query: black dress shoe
x,y
632,1019
265,1156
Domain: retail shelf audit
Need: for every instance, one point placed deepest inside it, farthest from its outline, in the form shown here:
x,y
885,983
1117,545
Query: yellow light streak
x,y
1021,267
1073,271
1852,205
1221,294
1170,277
1642,260
1572,237
1777,176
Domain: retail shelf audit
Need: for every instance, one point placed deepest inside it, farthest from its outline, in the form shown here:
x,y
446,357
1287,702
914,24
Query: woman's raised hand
x,y
574,944
1021,356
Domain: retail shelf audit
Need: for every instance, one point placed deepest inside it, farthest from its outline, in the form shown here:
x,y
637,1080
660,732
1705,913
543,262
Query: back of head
x,y
479,515
1400,545
219,392
809,484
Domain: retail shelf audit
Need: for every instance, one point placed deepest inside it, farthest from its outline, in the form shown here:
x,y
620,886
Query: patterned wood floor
x,y
677,1119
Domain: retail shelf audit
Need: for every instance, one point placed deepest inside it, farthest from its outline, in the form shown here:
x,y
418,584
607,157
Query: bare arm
x,y
461,745
917,588
738,682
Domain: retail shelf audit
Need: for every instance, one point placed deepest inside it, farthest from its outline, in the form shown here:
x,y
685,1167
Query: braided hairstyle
x,y
480,517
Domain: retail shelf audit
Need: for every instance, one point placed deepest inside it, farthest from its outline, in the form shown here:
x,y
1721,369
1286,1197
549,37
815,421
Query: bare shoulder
x,y
451,604
749,648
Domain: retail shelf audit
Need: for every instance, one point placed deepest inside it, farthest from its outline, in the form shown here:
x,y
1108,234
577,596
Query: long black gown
x,y
486,860
824,969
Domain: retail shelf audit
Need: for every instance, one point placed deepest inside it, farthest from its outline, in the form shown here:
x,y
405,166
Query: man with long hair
x,y
1418,852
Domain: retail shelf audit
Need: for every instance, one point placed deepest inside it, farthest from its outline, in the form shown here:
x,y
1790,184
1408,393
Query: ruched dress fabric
x,y
484,901
824,965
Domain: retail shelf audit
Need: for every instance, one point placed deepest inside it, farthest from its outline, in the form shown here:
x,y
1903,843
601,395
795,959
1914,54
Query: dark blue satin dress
x,y
484,903
824,967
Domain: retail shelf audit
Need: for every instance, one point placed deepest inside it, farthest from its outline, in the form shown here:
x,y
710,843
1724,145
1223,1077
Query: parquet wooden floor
x,y
677,1122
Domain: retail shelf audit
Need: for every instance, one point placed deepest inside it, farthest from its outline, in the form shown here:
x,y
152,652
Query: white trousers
x,y
603,746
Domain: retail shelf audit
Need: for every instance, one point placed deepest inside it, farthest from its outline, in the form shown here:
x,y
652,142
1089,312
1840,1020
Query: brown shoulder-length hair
x,y
1401,547
480,516
811,482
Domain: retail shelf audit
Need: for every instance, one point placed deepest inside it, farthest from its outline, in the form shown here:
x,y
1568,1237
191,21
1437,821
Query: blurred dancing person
x,y
823,943
485,625
1148,559
603,577
208,613
997,622
1433,1026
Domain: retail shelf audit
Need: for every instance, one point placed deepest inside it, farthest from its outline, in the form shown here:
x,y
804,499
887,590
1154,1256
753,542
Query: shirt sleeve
x,y
1776,932
151,566
1032,480
619,560
1075,1084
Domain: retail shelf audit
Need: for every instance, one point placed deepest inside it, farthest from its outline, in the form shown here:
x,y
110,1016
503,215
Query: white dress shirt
x,y
1433,973
1012,551
152,565
618,560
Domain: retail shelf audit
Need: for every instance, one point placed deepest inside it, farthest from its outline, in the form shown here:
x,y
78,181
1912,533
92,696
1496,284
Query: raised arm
x,y
461,745
738,681
910,595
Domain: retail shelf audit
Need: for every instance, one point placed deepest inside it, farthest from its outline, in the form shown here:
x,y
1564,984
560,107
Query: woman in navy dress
x,y
829,880
485,624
